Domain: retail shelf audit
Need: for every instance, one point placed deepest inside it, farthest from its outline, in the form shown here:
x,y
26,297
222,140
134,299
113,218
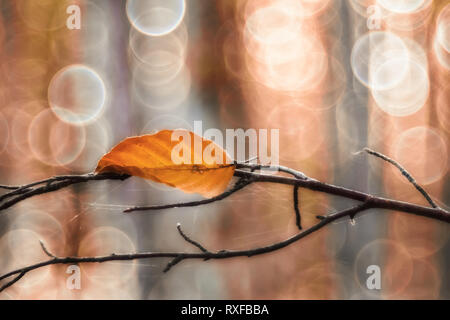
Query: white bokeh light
x,y
372,51
77,94
155,17
401,6
409,95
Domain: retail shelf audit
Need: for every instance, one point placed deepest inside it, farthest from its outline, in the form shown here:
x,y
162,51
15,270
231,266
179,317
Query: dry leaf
x,y
152,157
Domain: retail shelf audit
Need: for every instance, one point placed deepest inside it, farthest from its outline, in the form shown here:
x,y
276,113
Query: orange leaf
x,y
152,157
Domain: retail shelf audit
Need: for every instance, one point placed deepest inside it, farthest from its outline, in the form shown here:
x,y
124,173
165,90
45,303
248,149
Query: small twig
x,y
246,161
404,173
45,250
173,262
294,173
193,242
296,208
240,184
180,257
253,167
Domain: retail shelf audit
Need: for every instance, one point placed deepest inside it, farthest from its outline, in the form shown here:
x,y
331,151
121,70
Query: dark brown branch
x,y
405,174
253,167
315,185
172,263
29,187
294,173
45,250
379,202
177,257
52,184
6,187
296,208
240,184
249,177
187,239
10,283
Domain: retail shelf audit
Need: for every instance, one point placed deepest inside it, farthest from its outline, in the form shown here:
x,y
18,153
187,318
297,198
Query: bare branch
x,y
193,242
294,173
246,178
45,250
52,184
253,167
240,184
177,257
172,263
10,283
404,173
296,208
379,202
6,187
315,185
28,187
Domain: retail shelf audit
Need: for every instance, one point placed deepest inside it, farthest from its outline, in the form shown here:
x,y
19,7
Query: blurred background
x,y
334,76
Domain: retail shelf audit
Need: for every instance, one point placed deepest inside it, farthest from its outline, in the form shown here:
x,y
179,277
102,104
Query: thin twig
x,y
294,173
296,208
253,167
6,187
10,283
404,173
193,242
179,258
45,250
173,262
240,184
